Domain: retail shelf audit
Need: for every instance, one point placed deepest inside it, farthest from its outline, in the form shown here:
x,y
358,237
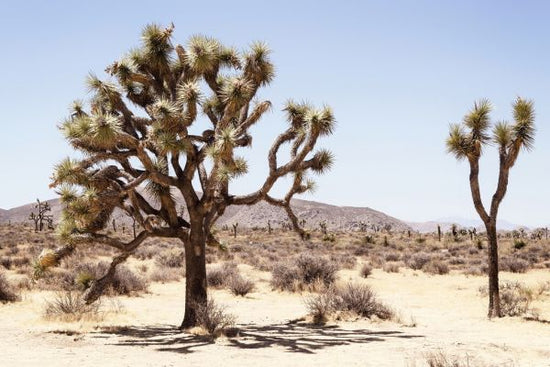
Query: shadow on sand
x,y
294,337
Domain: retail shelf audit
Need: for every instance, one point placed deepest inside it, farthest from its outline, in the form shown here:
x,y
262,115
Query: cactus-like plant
x,y
467,141
138,161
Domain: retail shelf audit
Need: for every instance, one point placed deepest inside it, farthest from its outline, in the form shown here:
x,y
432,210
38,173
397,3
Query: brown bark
x,y
492,261
195,277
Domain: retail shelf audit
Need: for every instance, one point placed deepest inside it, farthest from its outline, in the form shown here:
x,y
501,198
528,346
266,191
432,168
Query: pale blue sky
x,y
395,72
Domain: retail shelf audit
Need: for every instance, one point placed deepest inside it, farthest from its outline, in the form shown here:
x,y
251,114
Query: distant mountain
x,y
447,222
336,217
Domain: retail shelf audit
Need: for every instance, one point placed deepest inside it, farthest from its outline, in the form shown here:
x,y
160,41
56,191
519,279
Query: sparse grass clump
x,y
69,306
7,294
354,299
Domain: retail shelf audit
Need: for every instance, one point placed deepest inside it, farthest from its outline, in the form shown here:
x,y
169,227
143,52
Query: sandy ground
x,y
438,313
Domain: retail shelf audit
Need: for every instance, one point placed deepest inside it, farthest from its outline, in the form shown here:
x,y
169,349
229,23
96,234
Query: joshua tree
x,y
235,227
466,141
438,233
147,163
40,216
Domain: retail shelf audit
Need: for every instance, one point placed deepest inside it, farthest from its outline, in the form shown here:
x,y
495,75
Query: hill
x,y
336,217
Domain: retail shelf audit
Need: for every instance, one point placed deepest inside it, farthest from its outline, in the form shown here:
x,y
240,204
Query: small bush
x,y
7,294
417,261
437,267
357,299
519,244
172,258
344,261
165,275
515,299
392,256
305,272
240,286
219,276
313,268
366,270
125,282
213,318
391,267
515,265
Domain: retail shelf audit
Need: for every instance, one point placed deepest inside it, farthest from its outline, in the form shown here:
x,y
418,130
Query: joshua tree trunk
x,y
195,277
492,261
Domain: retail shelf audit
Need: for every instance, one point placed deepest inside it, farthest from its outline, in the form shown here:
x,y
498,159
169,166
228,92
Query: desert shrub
x,y
165,275
283,276
436,267
368,239
305,272
330,237
126,282
356,299
213,318
474,270
69,306
171,258
515,265
519,244
6,262
240,286
345,261
420,240
392,256
219,276
391,267
441,359
418,260
7,294
312,268
515,299
366,270
146,252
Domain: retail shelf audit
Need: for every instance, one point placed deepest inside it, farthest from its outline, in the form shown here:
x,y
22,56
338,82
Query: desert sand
x,y
437,314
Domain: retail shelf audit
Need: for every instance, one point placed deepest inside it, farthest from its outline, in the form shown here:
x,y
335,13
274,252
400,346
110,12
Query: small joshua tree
x,y
178,141
466,141
40,217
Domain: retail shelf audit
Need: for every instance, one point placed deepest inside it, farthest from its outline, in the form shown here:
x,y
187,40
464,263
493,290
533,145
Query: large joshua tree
x,y
467,141
154,134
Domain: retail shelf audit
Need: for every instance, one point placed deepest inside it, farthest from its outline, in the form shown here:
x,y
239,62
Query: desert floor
x,y
439,313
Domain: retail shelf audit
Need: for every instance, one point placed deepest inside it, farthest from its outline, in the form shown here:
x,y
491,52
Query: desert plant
x,y
7,294
305,271
418,260
469,145
41,216
171,258
357,299
391,267
515,265
519,244
366,270
213,318
69,306
240,286
153,144
220,275
436,267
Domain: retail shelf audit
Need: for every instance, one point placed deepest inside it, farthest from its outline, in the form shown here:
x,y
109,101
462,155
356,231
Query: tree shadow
x,y
293,337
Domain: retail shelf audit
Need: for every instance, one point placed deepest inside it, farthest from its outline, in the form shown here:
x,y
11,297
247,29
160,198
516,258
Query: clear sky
x,y
395,72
